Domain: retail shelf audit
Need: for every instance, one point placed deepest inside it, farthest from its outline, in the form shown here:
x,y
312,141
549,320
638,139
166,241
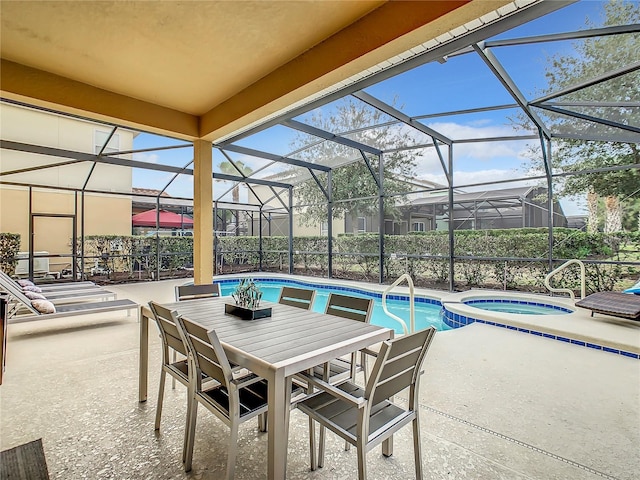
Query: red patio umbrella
x,y
167,220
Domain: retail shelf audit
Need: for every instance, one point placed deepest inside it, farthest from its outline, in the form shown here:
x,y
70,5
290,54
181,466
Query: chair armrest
x,y
247,380
332,390
369,352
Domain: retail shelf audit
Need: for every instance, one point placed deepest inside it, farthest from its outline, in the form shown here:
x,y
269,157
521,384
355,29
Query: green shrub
x,y
9,248
424,255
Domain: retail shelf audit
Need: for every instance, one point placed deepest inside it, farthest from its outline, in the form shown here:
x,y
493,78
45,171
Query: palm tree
x,y
236,168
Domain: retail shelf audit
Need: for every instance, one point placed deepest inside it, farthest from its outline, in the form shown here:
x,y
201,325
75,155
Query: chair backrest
x,y
190,292
297,297
5,276
205,353
15,290
345,306
166,321
398,365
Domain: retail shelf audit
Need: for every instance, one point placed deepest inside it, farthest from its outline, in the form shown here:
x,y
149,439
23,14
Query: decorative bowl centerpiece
x,y
247,296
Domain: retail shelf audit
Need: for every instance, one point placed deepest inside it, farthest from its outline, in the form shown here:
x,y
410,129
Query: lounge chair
x,y
67,286
53,288
74,309
616,304
21,304
56,296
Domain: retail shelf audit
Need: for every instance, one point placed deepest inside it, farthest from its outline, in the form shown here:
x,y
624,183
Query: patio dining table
x,y
290,341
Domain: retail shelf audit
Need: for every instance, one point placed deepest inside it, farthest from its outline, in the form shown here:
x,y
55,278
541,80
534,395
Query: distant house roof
x,y
502,194
420,182
148,191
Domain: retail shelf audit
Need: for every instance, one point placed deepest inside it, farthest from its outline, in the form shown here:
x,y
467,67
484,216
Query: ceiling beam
x,y
43,89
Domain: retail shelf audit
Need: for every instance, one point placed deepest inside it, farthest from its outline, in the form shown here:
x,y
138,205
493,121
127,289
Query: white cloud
x,y
481,176
507,155
146,157
459,131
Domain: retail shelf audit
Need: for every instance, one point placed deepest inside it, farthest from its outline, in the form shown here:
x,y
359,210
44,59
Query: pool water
x,y
426,314
517,307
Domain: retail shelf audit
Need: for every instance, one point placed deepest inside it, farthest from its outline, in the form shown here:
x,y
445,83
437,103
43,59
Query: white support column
x,y
202,212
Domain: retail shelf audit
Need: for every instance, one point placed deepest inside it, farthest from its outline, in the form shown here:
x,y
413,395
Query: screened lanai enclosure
x,y
483,158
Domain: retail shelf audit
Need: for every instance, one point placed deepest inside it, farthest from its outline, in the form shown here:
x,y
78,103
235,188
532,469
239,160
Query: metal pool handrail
x,y
568,290
412,322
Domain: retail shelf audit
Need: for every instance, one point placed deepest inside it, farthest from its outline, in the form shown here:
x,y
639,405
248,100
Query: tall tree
x,y
590,59
353,186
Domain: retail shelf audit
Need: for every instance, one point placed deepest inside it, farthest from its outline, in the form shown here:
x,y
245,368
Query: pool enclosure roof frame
x,y
481,47
472,43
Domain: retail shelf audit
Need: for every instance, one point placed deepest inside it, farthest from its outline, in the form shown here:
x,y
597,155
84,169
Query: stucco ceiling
x,y
201,69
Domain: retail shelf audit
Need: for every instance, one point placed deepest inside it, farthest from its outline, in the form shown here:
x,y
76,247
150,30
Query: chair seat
x,y
180,370
342,416
252,398
339,370
336,367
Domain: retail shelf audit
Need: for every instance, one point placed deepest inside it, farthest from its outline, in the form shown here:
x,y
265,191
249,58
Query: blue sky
x,y
462,82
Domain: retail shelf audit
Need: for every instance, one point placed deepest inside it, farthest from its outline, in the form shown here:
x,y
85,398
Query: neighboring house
x,y
57,212
579,222
276,221
492,209
425,208
144,199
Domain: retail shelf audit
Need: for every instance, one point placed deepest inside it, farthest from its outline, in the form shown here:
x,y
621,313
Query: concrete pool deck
x,y
495,404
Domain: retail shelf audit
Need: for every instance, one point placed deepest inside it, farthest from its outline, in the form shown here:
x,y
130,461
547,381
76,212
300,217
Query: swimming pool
x,y
499,309
427,310
519,307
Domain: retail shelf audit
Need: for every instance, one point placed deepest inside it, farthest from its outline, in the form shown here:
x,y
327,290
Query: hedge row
x,y
424,255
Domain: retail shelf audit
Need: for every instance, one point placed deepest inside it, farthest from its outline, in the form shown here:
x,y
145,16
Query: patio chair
x,y
297,297
191,292
367,417
617,304
179,370
340,369
354,308
232,400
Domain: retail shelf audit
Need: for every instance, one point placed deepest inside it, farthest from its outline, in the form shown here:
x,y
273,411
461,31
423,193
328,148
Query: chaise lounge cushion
x,y
25,283
43,306
613,303
32,288
34,296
